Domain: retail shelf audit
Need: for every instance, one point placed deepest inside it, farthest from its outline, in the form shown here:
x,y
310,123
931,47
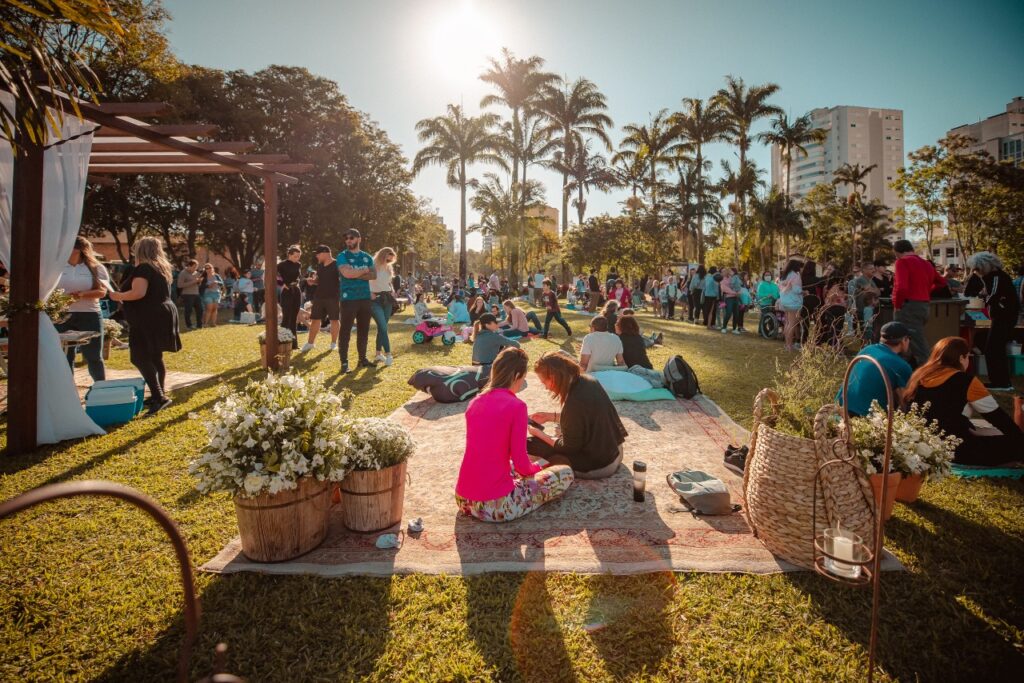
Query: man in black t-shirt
x,y
594,288
326,302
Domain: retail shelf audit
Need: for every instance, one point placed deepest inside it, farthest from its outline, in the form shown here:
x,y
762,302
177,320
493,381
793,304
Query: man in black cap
x,y
866,384
326,302
356,269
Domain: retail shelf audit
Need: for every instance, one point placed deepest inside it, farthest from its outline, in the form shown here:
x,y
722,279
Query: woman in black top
x,y
634,347
1003,308
152,317
291,296
592,433
943,384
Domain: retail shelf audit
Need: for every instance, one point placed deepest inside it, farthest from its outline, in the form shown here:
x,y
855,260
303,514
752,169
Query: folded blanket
x,y
969,472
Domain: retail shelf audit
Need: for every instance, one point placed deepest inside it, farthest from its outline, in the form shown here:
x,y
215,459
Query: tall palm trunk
x,y
789,200
580,206
700,204
462,220
742,201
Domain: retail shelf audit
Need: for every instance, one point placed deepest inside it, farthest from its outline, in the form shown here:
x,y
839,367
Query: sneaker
x,y
379,358
389,360
333,346
725,331
736,459
736,332
365,363
344,367
158,405
660,338
306,348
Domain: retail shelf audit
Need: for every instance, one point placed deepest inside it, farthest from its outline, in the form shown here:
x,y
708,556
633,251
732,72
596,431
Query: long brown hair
x,y
561,370
150,250
84,247
509,366
946,355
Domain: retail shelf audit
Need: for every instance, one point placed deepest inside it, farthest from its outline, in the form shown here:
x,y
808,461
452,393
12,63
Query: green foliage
x,y
807,384
631,243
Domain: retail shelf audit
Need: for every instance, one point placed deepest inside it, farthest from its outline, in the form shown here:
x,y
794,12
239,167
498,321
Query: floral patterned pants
x,y
528,494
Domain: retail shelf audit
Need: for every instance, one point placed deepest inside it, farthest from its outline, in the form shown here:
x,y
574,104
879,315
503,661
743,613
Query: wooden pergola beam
x,y
194,168
172,158
135,108
136,146
183,129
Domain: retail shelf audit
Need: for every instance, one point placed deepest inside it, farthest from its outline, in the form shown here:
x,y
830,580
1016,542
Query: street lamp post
x,y
440,245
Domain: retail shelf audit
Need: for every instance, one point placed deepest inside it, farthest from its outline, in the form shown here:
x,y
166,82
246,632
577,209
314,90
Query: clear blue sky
x,y
943,63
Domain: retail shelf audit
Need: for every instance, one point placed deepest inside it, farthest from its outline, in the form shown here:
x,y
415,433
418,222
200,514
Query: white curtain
x,y
60,413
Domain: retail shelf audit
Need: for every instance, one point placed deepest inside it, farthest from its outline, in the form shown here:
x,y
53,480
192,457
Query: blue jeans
x,y
380,319
93,351
732,312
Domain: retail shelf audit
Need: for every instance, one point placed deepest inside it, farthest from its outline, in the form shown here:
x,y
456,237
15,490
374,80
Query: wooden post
x,y
270,269
23,360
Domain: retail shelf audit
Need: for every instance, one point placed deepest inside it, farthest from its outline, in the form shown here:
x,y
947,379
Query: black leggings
x,y
291,301
710,310
151,365
694,301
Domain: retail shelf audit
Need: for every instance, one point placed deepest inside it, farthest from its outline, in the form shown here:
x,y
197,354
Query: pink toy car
x,y
428,329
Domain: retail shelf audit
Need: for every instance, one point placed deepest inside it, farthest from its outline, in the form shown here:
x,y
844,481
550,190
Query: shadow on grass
x,y
11,465
952,617
269,633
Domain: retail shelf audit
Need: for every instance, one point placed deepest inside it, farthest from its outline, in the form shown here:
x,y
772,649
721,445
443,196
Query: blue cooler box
x,y
136,383
111,405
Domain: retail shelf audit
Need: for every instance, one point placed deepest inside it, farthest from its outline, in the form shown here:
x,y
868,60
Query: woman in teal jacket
x,y
711,293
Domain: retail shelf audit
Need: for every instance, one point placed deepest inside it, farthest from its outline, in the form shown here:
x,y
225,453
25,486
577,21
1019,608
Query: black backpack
x,y
680,378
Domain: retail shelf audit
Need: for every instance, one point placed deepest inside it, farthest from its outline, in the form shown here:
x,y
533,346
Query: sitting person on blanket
x,y
420,309
458,312
651,339
944,384
634,351
516,323
488,341
496,444
601,349
592,433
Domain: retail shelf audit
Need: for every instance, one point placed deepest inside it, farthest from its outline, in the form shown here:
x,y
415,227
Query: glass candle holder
x,y
843,545
639,480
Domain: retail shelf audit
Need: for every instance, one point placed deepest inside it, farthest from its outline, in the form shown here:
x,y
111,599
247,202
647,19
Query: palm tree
x,y
854,176
573,111
742,182
773,215
791,137
455,141
657,143
519,83
699,124
583,171
630,173
742,106
692,200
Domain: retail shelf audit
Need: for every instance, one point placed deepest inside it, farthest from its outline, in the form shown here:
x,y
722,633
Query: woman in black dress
x,y
290,273
152,317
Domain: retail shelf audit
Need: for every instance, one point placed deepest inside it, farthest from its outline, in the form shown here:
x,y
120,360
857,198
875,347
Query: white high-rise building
x,y
1001,135
856,135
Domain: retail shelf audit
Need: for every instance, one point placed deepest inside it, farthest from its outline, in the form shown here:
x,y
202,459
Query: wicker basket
x,y
778,487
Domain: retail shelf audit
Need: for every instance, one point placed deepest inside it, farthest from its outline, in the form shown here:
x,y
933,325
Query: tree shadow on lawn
x,y
512,615
237,377
277,628
936,620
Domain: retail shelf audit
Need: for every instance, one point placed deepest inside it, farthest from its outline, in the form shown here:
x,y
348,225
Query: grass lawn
x,y
89,589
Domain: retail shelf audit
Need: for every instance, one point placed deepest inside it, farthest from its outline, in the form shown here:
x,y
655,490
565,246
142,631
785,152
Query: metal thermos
x,y
639,480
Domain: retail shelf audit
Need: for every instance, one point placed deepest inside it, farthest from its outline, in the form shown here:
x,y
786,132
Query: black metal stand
x,y
871,556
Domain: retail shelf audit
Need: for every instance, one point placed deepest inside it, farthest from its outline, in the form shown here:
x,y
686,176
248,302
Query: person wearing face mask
x,y
767,291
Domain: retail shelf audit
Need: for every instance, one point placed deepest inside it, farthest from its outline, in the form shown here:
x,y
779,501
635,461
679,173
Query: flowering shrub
x,y
374,443
112,328
264,438
918,446
284,335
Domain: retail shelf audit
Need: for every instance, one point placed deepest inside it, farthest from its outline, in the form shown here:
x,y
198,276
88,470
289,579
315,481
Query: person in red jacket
x,y
911,293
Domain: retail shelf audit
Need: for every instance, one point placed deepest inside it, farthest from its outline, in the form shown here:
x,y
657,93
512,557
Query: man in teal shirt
x,y
866,383
356,269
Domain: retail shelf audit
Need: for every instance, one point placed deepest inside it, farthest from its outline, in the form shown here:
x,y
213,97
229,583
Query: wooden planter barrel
x,y
284,355
277,527
372,500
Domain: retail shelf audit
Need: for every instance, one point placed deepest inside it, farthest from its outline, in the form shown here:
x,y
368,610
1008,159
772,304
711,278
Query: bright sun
x,y
460,42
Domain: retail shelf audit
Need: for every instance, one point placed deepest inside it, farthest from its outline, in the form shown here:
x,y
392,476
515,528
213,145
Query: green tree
x,y
772,216
742,106
791,138
574,112
741,182
701,123
656,144
455,141
500,208
583,172
853,175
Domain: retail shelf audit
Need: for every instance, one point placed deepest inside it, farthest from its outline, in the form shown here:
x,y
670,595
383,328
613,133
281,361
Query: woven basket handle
x,y
766,398
830,447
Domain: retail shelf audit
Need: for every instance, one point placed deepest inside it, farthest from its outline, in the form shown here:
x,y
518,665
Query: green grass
x,y
90,591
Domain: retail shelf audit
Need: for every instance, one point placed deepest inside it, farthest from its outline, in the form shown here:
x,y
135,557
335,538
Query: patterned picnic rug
x,y
595,528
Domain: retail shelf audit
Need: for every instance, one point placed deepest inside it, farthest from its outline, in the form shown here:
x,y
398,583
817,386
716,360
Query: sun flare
x,y
461,40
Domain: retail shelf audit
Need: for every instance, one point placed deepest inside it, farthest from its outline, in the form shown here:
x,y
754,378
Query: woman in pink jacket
x,y
621,294
496,445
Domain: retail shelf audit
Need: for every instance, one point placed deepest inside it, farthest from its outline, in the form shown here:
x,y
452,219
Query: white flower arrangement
x,y
375,443
266,437
919,446
284,335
